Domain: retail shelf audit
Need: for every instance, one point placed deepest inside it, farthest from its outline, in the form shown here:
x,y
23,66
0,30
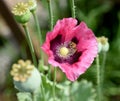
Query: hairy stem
x,y
51,27
98,79
37,27
39,34
30,44
33,96
43,92
73,8
103,67
102,72
54,82
50,14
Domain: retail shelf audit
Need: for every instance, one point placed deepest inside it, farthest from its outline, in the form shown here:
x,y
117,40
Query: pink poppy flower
x,y
71,47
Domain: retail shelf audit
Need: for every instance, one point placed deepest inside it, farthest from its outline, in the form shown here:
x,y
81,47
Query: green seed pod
x,y
99,47
21,12
103,45
32,5
31,84
25,76
23,18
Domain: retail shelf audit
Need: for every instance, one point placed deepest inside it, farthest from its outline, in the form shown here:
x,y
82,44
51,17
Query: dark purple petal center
x,y
57,42
75,40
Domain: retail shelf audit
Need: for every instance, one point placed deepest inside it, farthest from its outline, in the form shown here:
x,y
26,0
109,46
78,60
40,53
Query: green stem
x,y
30,44
51,27
73,8
33,96
51,21
38,31
37,27
98,79
50,14
41,53
103,68
102,72
49,72
43,92
54,82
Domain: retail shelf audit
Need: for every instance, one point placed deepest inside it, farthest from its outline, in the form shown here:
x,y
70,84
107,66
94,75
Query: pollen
x,y
64,51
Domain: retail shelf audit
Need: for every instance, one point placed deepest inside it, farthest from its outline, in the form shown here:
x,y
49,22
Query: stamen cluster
x,y
66,50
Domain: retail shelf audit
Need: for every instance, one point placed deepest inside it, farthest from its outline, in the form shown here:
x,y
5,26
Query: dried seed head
x,y
22,71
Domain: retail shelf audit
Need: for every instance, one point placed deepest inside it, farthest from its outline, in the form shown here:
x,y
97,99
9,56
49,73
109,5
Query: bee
x,y
73,45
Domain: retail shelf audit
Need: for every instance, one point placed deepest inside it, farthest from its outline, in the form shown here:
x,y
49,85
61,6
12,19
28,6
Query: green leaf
x,y
113,91
22,96
82,91
48,88
42,67
67,91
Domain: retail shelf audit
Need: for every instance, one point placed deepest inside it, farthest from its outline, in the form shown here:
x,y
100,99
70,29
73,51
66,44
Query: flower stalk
x,y
102,71
38,31
54,82
43,92
73,8
98,79
50,14
103,67
30,44
33,6
33,96
51,27
37,27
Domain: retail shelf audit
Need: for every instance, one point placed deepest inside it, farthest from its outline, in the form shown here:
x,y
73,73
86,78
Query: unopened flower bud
x,y
26,78
21,12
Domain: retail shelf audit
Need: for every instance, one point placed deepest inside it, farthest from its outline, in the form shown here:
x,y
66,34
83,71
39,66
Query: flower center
x,y
64,51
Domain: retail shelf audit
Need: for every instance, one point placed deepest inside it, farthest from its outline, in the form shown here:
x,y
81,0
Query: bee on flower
x,y
71,47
